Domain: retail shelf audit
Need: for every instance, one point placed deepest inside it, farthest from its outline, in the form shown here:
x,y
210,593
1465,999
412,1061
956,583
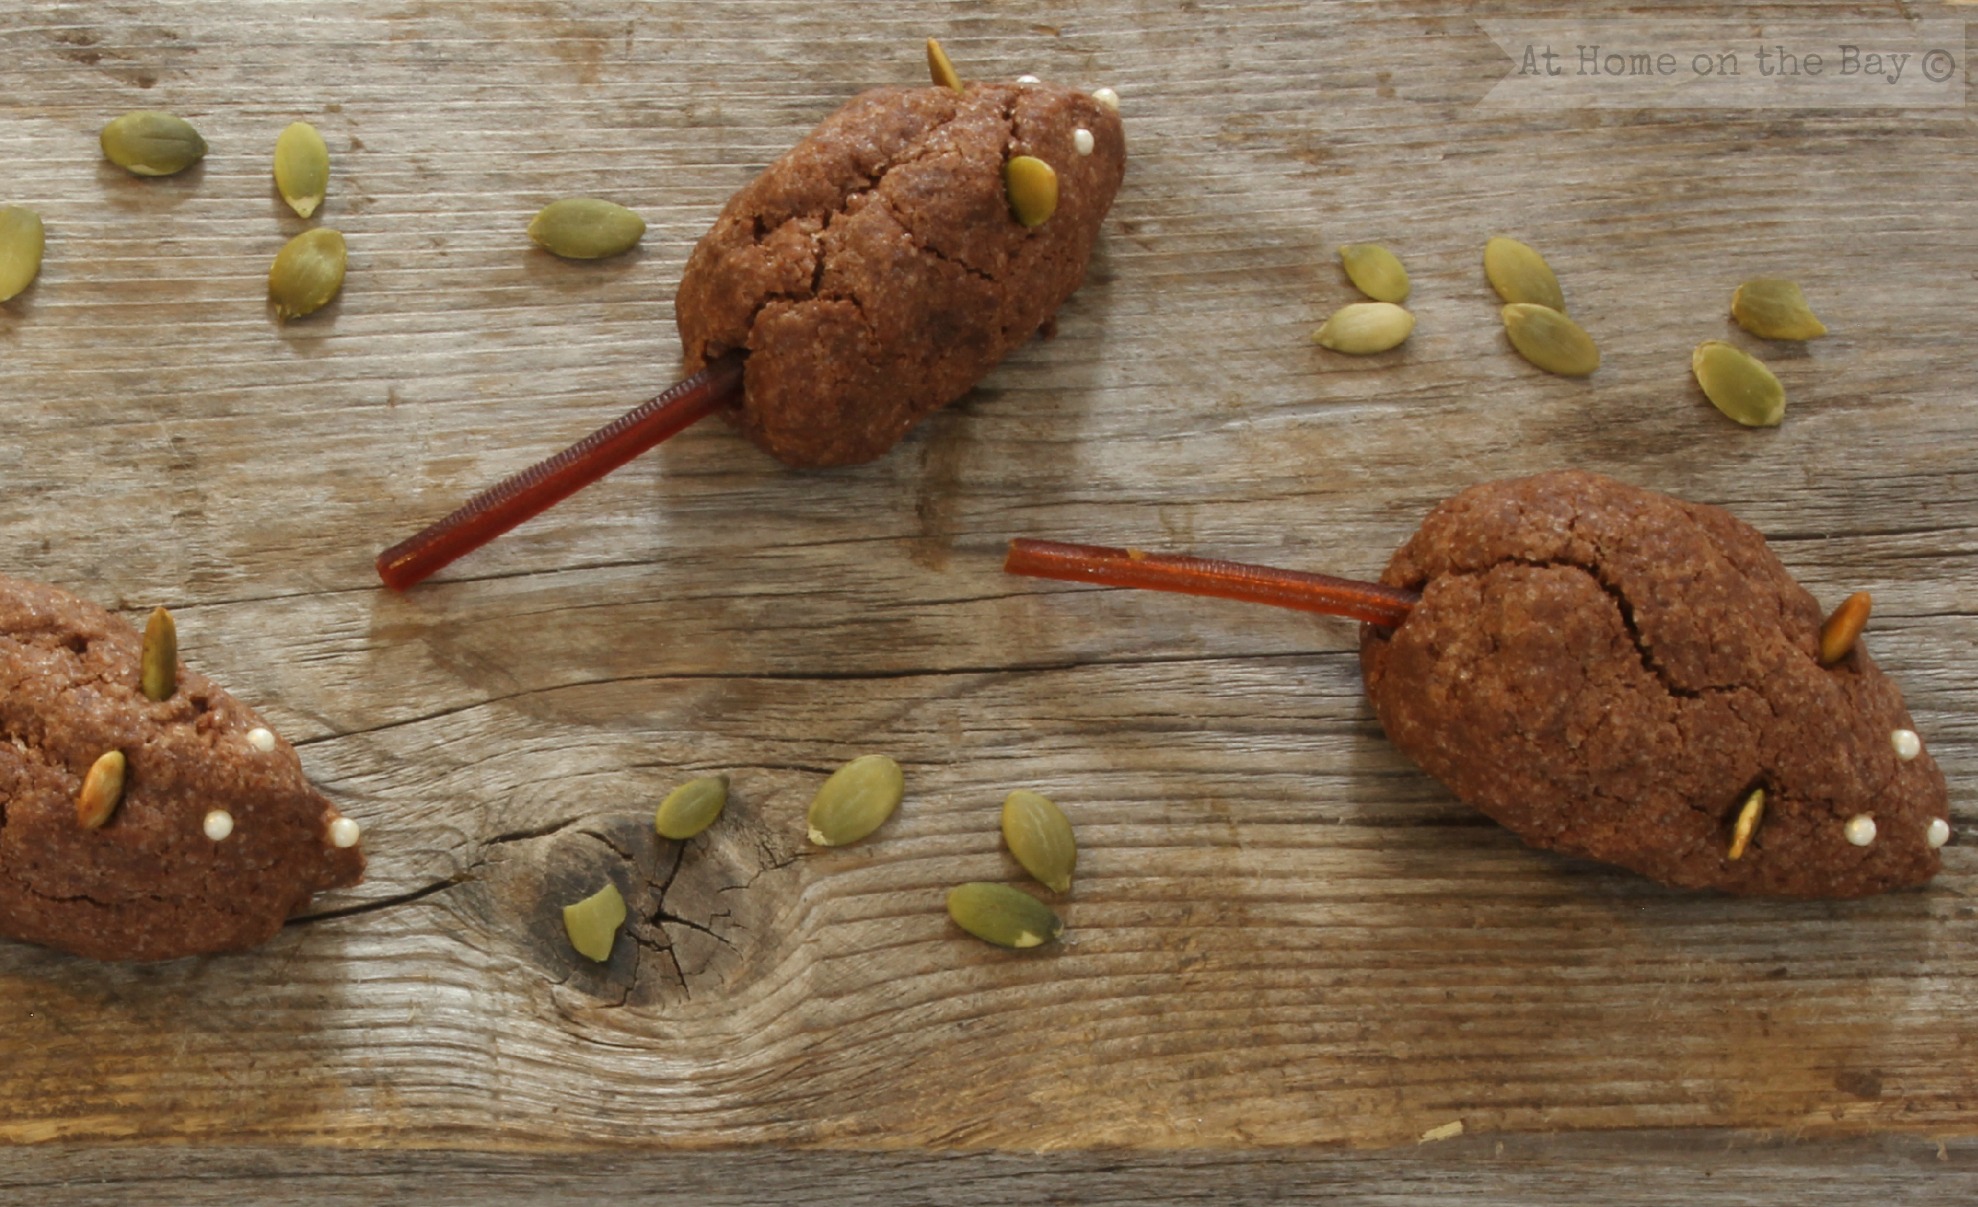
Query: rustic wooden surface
x,y
1286,945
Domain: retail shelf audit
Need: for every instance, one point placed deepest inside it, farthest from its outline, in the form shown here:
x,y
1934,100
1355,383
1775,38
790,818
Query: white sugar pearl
x,y
1860,829
1081,141
1938,834
1907,744
1028,79
261,739
344,833
219,823
1107,97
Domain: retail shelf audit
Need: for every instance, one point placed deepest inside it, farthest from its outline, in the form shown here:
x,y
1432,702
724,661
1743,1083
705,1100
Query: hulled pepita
x,y
1375,271
1000,914
158,659
145,142
692,807
102,790
302,168
307,273
1364,328
856,800
593,923
1773,309
1032,186
21,244
1738,384
586,228
1039,835
940,68
1519,274
1550,340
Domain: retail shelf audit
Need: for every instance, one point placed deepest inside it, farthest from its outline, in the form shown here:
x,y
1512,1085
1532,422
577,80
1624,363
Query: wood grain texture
x,y
1283,936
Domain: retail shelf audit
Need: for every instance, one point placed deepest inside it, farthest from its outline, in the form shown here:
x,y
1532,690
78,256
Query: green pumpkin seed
x,y
593,923
1519,274
1032,186
21,242
856,800
1005,916
1738,384
691,808
586,228
1375,271
307,273
1550,340
1039,835
302,168
938,66
102,790
145,142
1772,309
1364,328
158,661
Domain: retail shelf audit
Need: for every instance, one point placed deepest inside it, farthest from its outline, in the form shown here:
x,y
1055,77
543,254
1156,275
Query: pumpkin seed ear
x,y
941,69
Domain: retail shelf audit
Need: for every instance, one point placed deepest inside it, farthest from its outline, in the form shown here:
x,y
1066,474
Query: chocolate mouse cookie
x,y
134,828
875,272
1612,672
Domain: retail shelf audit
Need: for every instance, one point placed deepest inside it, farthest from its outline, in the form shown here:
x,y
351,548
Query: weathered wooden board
x,y
1283,935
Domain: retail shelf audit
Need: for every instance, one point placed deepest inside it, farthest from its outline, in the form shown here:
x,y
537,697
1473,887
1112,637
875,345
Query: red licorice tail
x,y
1370,602
545,484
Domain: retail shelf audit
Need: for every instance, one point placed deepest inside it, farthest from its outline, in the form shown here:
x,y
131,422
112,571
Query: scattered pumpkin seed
x,y
1375,271
586,228
1843,628
307,273
1738,384
158,662
21,243
856,800
940,68
1550,340
1519,274
1005,916
1748,818
593,923
145,142
102,790
1039,835
302,168
692,807
1364,328
1032,186
1773,309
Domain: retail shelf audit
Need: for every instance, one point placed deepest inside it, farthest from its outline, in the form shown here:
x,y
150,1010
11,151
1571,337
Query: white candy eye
x,y
1907,744
344,833
261,739
1938,834
1860,829
1107,97
218,825
1081,141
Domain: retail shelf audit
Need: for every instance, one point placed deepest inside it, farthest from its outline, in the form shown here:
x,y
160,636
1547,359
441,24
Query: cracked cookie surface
x,y
1609,672
150,884
874,273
